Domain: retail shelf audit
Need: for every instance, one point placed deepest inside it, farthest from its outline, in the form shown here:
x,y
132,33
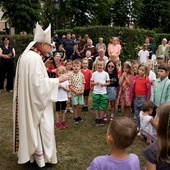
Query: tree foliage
x,y
22,14
155,14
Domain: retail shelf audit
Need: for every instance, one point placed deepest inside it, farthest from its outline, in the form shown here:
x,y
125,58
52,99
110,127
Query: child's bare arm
x,y
154,122
66,88
94,83
105,84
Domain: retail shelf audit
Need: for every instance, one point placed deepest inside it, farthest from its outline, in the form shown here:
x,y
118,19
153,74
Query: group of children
x,y
134,88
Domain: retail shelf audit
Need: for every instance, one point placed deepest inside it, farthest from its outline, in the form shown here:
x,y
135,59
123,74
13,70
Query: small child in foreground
x,y
147,122
120,135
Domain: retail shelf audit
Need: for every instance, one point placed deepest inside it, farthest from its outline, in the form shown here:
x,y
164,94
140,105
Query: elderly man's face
x,y
46,48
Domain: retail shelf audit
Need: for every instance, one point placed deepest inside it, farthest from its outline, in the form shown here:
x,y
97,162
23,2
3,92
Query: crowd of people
x,y
69,71
136,88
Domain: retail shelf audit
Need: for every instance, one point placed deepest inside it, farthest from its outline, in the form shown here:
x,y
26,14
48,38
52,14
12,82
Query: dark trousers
x,y
6,69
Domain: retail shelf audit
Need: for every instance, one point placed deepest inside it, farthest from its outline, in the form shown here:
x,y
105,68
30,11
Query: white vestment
x,y
35,94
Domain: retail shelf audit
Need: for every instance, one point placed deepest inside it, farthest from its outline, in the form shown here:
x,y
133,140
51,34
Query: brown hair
x,y
76,61
146,69
123,130
163,132
164,66
128,65
147,105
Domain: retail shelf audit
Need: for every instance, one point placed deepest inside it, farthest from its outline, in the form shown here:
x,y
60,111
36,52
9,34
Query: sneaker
x,y
64,124
86,108
80,119
119,110
58,126
101,121
76,121
105,119
111,118
97,122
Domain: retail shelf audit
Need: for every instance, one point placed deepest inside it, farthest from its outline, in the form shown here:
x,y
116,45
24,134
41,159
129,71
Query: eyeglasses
x,y
111,66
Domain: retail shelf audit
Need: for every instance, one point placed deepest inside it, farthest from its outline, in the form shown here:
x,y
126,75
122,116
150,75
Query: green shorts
x,y
78,100
99,101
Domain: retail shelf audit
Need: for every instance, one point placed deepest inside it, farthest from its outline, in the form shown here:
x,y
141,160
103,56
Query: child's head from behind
x,y
143,71
100,65
69,64
148,106
127,67
163,70
163,132
61,70
121,133
85,63
76,66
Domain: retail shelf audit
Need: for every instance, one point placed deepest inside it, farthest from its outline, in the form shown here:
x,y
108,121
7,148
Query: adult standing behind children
x,y
120,135
68,45
143,55
163,49
7,55
34,92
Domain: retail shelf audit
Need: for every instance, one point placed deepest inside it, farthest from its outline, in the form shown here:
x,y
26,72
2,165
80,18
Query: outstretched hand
x,y
64,77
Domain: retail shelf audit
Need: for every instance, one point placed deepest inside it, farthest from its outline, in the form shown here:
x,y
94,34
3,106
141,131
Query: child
x,y
140,91
112,88
87,75
157,154
147,123
120,135
90,60
69,65
124,88
76,85
161,88
152,75
143,55
135,67
119,72
62,98
99,80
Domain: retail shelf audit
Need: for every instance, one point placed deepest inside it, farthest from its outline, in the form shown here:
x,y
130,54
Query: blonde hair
x,y
61,69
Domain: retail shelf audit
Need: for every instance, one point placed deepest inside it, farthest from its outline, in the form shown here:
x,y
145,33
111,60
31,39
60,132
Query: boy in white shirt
x,y
99,80
143,55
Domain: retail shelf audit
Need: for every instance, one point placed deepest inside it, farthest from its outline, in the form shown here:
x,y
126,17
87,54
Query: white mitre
x,y
40,35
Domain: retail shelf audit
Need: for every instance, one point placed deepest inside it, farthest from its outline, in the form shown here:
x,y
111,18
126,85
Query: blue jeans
x,y
138,101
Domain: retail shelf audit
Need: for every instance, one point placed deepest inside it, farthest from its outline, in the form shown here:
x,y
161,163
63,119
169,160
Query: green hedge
x,y
130,38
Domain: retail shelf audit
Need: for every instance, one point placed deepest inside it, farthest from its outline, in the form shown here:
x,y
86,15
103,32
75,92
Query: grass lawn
x,y
76,145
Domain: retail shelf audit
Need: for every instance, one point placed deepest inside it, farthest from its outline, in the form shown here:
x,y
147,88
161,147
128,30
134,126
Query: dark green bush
x,y
131,39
